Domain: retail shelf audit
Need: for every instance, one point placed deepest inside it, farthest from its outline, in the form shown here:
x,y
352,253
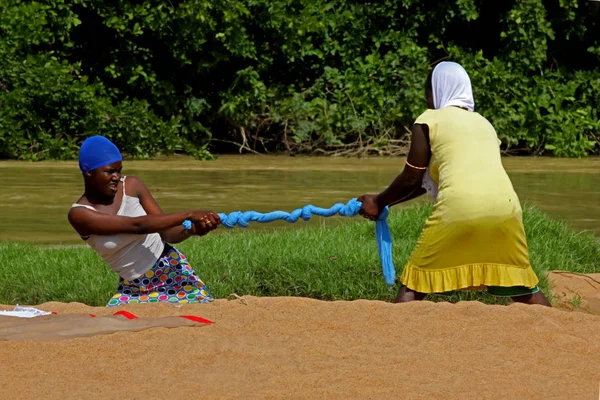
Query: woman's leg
x,y
535,298
189,283
405,295
520,294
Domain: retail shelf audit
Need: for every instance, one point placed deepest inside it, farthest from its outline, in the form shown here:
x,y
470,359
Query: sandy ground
x,y
576,292
274,348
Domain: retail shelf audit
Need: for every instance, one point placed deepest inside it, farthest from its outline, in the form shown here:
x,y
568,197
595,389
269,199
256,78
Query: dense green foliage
x,y
328,262
162,76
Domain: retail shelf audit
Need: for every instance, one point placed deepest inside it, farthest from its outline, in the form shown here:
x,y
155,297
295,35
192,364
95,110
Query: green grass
x,y
325,262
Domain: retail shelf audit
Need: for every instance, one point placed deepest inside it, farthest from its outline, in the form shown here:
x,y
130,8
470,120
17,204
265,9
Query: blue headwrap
x,y
97,151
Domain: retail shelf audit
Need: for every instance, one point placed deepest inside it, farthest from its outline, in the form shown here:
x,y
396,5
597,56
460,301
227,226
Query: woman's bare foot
x,y
405,295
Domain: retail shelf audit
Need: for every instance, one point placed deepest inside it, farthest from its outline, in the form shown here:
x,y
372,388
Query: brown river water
x,y
36,197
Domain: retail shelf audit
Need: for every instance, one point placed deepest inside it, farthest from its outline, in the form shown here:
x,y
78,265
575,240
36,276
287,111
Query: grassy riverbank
x,y
325,262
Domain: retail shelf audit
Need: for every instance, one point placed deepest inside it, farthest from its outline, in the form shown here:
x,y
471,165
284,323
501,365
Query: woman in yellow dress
x,y
474,238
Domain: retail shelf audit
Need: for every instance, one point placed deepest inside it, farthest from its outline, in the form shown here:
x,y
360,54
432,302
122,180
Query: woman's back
x,y
467,165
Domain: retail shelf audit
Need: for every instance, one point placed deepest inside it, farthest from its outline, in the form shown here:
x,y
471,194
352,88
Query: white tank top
x,y
129,255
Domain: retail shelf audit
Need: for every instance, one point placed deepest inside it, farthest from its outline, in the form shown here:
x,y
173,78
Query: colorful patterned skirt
x,y
170,280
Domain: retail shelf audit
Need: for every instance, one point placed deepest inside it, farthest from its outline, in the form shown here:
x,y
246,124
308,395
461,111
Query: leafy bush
x,y
298,75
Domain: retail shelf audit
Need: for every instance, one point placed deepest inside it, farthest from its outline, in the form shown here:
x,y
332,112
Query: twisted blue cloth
x,y
351,209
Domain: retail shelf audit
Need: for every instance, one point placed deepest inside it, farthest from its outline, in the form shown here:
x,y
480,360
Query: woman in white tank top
x,y
118,218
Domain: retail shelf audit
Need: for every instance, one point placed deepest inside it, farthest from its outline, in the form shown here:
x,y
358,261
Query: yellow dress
x,y
474,236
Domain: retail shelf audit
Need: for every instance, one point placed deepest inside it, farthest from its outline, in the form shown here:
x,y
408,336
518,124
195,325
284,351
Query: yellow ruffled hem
x,y
466,276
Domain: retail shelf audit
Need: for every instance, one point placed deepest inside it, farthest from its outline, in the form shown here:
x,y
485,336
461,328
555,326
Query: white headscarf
x,y
451,86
